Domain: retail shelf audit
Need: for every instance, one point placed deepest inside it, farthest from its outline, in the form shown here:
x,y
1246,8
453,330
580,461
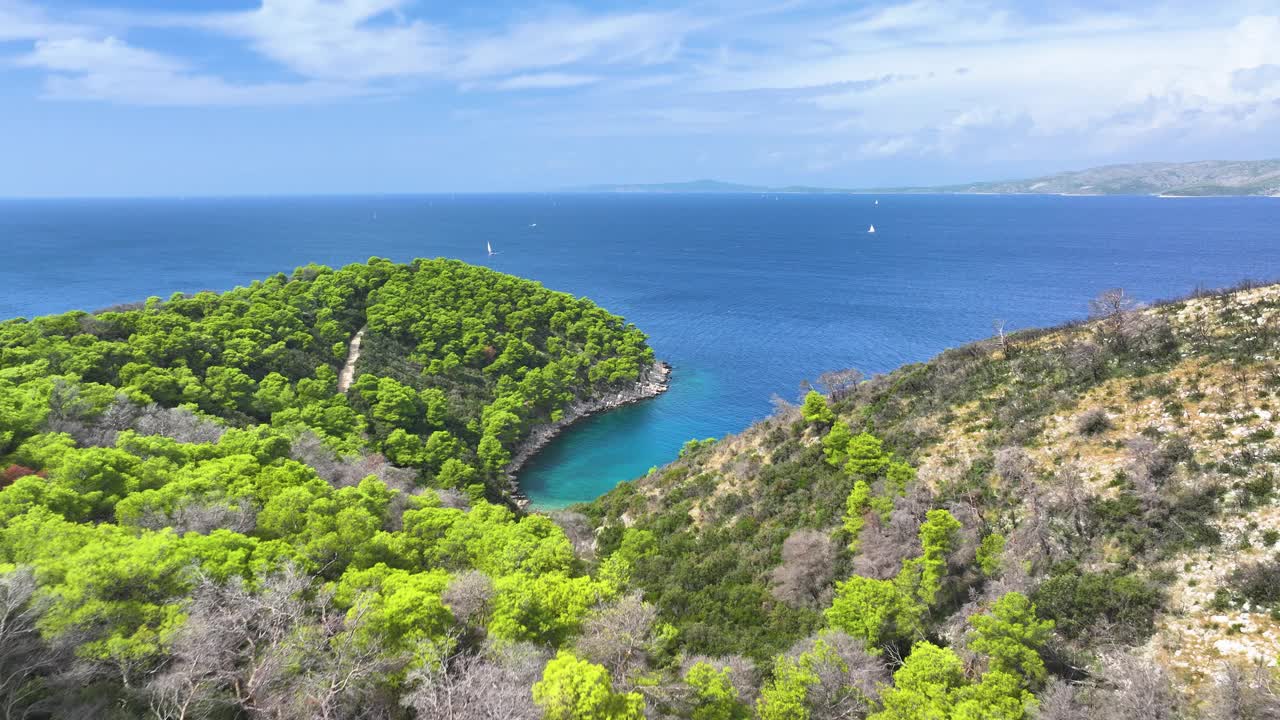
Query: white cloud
x,y
109,55
1058,76
920,78
571,38
348,40
545,81
337,46
22,21
891,146
111,70
1258,79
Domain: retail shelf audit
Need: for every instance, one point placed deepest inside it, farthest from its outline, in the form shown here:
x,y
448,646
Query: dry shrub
x,y
808,565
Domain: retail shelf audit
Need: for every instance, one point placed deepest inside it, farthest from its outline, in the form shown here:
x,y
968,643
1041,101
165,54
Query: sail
x,y
488,247
871,229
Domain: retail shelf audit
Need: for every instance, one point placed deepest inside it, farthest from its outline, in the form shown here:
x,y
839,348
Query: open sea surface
x,y
745,295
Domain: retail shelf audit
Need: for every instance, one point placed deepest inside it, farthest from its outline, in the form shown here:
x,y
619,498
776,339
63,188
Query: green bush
x,y
1258,583
1077,601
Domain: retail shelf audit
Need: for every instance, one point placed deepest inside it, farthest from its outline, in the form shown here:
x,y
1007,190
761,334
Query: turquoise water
x,y
746,295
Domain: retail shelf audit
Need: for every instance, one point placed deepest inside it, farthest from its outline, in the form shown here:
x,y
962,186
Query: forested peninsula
x,y
195,522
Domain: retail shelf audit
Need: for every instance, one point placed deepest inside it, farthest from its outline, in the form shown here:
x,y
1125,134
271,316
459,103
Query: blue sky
x,y
322,96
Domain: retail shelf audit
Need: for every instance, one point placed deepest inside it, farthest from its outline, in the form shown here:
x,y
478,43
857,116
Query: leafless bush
x,y
203,516
1151,334
839,384
492,684
121,307
1245,694
783,409
1120,325
1061,700
1031,541
883,546
453,498
1054,519
880,555
120,415
1112,309
341,472
808,565
849,678
1013,577
999,325
24,655
1136,689
69,414
1067,500
309,449
468,596
178,424
285,652
1084,358
1111,303
577,527
1093,422
1127,687
85,434
1150,469
1014,466
620,636
229,632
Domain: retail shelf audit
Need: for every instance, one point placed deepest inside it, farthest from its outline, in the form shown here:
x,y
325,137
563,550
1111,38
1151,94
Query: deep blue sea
x,y
746,295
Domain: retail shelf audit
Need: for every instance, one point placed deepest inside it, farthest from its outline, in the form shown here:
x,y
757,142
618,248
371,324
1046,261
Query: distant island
x,y
1192,179
703,186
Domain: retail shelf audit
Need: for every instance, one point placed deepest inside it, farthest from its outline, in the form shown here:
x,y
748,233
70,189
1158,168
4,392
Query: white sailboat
x,y
877,202
871,229
489,247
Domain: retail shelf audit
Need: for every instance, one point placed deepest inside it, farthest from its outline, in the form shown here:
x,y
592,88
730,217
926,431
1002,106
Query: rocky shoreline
x,y
654,380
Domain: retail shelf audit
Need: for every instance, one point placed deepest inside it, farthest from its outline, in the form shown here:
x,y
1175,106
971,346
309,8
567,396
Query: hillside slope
x,y
1078,522
1119,473
1188,179
1203,178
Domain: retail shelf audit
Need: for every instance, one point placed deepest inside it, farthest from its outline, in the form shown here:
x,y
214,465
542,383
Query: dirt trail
x,y
348,373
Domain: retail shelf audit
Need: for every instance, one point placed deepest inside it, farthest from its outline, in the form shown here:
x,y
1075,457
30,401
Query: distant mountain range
x,y
1192,179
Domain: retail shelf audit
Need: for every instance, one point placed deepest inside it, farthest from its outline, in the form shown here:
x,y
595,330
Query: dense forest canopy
x,y
195,522
458,363
170,464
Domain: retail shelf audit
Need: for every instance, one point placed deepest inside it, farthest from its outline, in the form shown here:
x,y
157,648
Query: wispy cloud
x,y
353,40
111,70
1261,78
22,21
545,81
340,48
563,39
915,78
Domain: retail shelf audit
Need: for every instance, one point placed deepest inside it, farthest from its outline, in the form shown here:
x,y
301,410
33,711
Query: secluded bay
x,y
746,295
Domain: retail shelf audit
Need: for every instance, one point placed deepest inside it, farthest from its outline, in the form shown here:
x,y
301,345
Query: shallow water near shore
x,y
745,295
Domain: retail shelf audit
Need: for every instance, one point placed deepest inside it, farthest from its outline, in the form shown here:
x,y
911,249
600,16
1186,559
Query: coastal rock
x,y
654,380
